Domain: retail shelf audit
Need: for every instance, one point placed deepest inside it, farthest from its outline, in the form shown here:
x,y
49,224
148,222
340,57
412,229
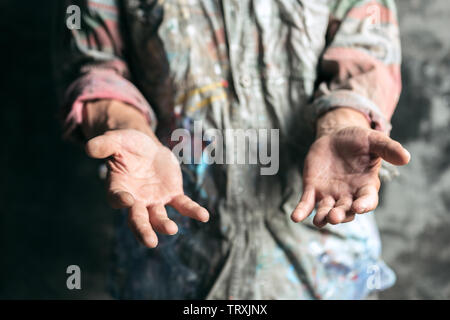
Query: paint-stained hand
x,y
340,175
143,176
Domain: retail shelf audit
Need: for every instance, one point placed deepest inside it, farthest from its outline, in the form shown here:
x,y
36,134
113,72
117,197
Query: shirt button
x,y
245,81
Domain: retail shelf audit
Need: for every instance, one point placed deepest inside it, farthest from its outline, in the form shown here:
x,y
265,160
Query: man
x,y
327,70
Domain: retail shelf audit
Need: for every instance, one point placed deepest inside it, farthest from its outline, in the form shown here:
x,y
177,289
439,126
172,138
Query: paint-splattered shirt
x,y
242,64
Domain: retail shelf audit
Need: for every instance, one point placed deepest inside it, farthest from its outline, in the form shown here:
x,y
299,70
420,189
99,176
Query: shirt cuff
x,y
349,99
102,84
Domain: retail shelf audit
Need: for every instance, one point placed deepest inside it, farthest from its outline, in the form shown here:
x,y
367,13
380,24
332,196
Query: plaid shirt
x,y
240,64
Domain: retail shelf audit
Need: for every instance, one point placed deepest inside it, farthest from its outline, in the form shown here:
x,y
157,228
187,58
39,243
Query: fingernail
x,y
205,218
409,154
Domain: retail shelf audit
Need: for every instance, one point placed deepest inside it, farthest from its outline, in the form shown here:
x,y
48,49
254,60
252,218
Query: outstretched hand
x,y
340,175
143,176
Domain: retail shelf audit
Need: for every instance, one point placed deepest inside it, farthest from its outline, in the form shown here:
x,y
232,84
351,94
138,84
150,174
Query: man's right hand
x,y
143,176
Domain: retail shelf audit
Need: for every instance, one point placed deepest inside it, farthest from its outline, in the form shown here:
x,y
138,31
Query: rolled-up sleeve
x,y
90,62
360,67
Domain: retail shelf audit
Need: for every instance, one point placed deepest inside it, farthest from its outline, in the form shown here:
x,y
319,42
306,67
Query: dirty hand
x,y
143,176
340,174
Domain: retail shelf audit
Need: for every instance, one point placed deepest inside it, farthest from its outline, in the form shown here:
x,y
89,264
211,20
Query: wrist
x,y
105,115
340,118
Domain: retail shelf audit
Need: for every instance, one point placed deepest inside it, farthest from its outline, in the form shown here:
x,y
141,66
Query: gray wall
x,y
51,215
414,217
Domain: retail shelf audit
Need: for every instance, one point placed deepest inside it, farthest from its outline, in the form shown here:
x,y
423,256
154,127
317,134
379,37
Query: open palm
x,y
144,176
341,174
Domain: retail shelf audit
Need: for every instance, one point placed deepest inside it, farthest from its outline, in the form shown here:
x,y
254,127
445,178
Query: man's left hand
x,y
340,175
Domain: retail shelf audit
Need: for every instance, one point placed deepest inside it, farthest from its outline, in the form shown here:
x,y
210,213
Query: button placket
x,y
245,80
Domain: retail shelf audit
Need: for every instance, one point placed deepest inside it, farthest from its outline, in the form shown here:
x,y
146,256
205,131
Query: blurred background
x,y
51,215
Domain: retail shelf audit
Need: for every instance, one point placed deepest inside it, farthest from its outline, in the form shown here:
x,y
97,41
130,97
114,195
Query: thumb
x,y
388,149
305,206
101,147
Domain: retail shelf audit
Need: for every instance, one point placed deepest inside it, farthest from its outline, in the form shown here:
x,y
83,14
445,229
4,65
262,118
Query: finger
x,y
160,221
119,199
186,207
338,213
305,206
366,199
323,208
140,224
388,149
350,217
101,147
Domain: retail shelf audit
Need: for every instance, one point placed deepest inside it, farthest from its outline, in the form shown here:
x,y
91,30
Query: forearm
x,y
104,115
340,118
